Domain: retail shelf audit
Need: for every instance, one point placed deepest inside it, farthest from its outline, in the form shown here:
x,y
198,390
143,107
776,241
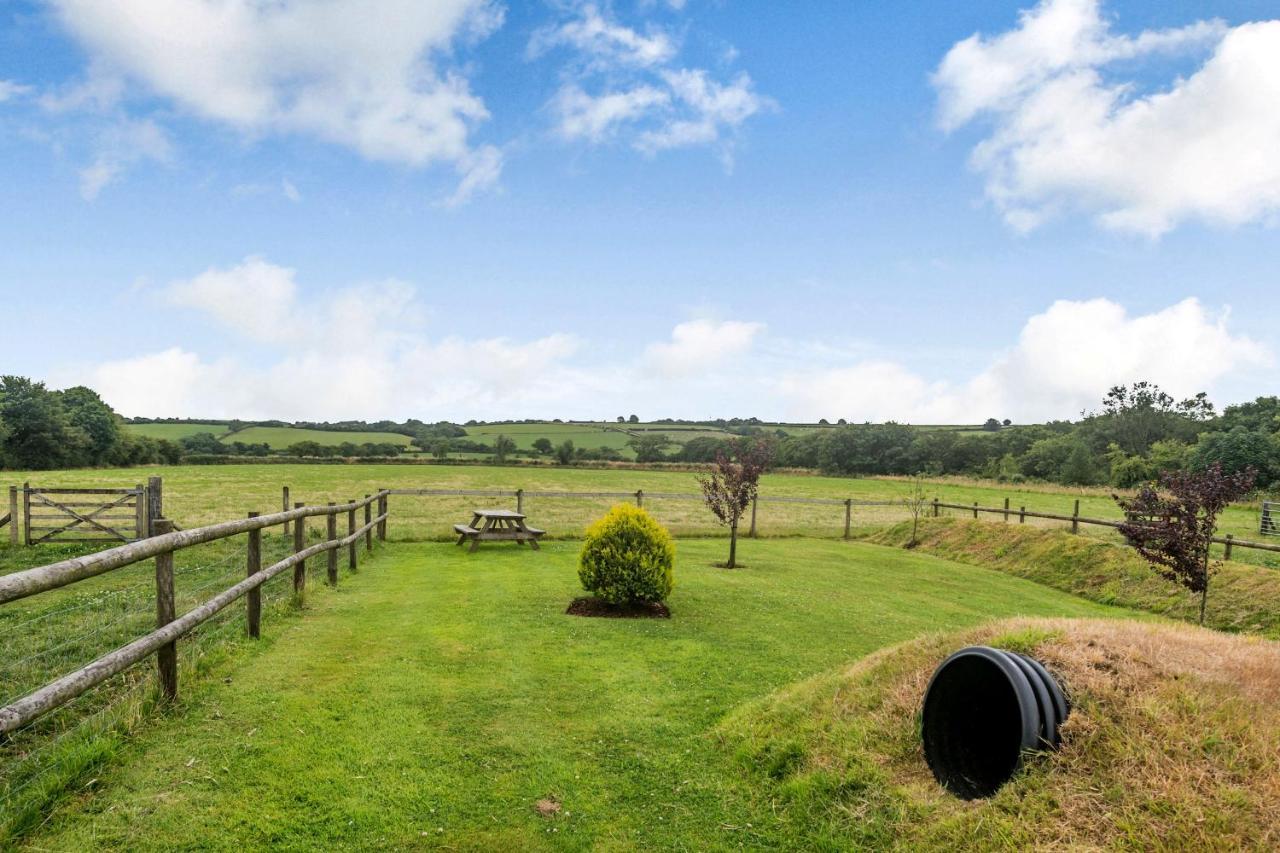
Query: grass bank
x,y
1242,597
1173,743
435,699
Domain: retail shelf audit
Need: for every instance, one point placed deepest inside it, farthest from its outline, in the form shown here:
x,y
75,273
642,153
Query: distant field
x,y
280,438
198,494
176,432
589,435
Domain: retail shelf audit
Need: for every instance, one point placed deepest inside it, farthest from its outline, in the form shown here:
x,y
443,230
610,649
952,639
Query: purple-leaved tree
x,y
1173,531
732,484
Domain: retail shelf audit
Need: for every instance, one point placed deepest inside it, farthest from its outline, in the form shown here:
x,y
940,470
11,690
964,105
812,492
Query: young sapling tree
x,y
915,501
731,486
1173,531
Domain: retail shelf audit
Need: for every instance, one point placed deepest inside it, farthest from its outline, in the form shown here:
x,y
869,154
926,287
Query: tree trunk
x,y
733,546
915,525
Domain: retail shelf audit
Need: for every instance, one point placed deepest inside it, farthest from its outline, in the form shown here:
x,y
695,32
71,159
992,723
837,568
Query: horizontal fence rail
x,y
171,627
1076,520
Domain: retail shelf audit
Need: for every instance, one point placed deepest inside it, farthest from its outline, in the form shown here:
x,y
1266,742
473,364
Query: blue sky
x,y
689,209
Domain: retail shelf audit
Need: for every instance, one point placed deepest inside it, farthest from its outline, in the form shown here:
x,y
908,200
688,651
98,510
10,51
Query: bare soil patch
x,y
590,606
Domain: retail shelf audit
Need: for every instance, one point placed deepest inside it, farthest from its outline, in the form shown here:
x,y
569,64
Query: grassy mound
x,y
1242,597
1173,743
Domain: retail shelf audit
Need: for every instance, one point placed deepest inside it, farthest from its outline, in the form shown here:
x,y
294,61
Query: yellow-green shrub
x,y
627,557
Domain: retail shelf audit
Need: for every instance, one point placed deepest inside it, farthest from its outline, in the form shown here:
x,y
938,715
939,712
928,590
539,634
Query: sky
x,y
918,211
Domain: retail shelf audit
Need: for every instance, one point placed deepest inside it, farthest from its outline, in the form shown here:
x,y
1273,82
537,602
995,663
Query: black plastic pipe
x,y
984,710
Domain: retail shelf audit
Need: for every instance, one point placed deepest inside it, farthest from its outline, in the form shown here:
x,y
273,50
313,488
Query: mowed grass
x,y
280,438
437,696
196,494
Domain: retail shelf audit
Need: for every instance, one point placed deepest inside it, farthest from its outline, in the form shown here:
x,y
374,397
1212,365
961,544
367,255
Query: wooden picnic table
x,y
497,525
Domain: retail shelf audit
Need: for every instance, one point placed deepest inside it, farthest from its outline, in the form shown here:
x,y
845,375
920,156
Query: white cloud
x,y
290,191
639,86
1064,360
592,34
121,145
10,89
1068,132
370,75
698,345
594,118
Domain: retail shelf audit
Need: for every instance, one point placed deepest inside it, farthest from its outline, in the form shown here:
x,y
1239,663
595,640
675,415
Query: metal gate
x,y
1269,525
84,515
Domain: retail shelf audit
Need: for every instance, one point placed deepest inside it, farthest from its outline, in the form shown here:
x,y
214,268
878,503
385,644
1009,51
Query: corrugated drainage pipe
x,y
984,710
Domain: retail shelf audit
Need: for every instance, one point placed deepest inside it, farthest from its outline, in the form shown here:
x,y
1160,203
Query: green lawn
x,y
438,695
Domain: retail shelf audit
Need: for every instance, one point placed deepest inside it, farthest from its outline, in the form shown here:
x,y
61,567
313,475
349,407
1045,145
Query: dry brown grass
x,y
1173,743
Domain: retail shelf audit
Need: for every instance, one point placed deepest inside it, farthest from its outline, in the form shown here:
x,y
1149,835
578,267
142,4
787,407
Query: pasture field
x,y
590,435
279,438
197,494
437,696
176,432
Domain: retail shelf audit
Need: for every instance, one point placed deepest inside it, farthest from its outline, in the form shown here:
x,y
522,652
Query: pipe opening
x,y
983,710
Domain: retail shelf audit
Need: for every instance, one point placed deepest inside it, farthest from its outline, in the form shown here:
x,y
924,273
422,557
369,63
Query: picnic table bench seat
x,y
497,525
465,530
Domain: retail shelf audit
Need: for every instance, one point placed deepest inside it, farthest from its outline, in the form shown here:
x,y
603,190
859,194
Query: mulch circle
x,y
598,607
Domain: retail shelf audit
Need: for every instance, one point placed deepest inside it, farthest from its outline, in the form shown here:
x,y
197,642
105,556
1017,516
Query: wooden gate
x,y
84,515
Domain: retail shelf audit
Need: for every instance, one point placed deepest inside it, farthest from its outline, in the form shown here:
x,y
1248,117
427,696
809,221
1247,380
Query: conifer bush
x,y
627,558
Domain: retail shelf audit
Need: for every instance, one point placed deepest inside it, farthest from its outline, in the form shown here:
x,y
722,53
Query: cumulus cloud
x,y
697,345
1068,130
353,352
639,87
1064,359
371,76
10,89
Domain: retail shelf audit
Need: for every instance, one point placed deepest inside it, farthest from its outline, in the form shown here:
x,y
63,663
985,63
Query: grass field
x,y
279,438
205,494
176,432
438,696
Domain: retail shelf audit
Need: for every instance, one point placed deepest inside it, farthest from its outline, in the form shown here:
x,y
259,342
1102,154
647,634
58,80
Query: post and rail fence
x,y
171,627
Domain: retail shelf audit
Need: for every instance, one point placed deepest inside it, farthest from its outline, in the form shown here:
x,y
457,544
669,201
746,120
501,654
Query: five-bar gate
x,y
83,515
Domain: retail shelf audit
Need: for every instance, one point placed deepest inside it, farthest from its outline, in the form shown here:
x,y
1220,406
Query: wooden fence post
x,y
1006,510
13,515
284,505
155,503
368,518
299,542
519,500
331,534
351,534
848,516
1075,518
975,509
166,612
639,498
935,507
26,513
382,511
1226,554
253,565
754,499
141,529
1022,515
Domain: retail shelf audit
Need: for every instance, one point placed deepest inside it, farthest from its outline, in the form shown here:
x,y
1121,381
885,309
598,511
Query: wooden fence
x,y
639,496
1022,513
66,514
169,626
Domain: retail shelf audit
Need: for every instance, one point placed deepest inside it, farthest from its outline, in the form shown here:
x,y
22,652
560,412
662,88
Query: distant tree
x,y
543,445
991,425
37,434
1006,422
824,422
1238,450
299,448
731,486
916,500
1080,469
207,443
100,426
440,448
842,422
622,419
649,448
635,419
503,446
1136,416
564,453
1174,532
